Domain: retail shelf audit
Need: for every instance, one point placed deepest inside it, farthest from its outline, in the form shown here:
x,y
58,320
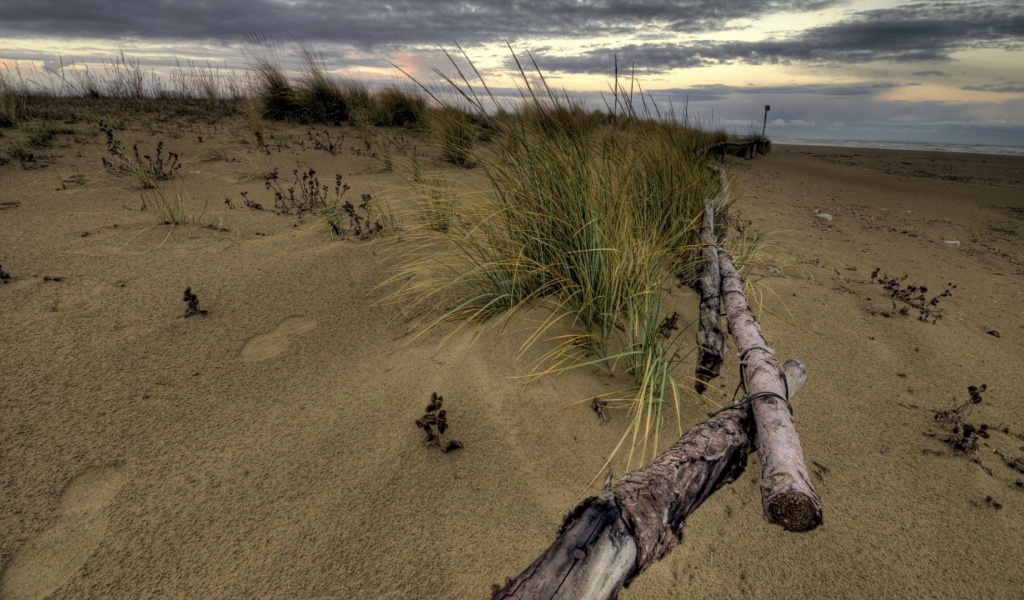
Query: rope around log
x,y
746,400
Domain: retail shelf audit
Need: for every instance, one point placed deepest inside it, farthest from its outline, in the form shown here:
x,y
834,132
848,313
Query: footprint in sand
x,y
268,345
47,561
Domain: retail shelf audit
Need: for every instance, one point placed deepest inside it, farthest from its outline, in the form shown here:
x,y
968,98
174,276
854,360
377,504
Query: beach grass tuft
x,y
395,106
320,96
278,100
588,217
12,98
170,205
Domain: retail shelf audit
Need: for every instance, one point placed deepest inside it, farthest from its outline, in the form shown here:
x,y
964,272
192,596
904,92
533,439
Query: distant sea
x,y
924,146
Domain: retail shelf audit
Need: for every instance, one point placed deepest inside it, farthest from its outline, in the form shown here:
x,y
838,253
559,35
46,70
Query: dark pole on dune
x,y
767,107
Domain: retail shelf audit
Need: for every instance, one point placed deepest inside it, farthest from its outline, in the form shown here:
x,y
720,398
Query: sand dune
x,y
267,448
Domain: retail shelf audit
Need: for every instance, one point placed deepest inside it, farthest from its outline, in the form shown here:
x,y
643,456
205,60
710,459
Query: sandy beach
x,y
267,449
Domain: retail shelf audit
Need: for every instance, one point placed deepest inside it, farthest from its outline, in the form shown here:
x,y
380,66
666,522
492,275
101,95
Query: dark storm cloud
x,y
1012,87
369,24
930,73
923,32
717,92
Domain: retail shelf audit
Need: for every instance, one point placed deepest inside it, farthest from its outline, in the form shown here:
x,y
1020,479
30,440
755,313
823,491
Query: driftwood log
x,y
609,539
788,497
711,340
746,150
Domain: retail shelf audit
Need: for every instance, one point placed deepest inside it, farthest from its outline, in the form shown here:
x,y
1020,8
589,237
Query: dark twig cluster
x,y
963,435
670,324
306,194
911,296
435,423
191,304
145,167
247,202
322,140
966,437
360,219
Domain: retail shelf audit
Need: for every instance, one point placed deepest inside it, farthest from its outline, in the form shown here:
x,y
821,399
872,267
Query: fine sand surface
x,y
267,449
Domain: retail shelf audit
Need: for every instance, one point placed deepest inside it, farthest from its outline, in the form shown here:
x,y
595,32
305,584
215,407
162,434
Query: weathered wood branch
x,y
787,494
746,150
711,340
609,539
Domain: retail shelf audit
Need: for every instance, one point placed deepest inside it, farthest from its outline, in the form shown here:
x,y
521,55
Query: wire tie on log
x,y
743,356
746,400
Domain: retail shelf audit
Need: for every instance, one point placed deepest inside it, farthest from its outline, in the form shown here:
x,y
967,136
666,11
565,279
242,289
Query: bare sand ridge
x,y
267,449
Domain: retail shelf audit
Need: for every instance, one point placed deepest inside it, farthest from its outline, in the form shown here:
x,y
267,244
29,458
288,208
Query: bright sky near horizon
x,y
937,71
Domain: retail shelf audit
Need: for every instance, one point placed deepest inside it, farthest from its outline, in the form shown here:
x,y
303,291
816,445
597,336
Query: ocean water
x,y
924,146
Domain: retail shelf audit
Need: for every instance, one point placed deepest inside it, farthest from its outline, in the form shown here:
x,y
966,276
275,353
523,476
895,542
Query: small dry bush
x,y
148,169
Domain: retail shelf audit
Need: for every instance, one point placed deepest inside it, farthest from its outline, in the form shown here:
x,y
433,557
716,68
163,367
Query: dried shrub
x,y
434,423
191,304
912,297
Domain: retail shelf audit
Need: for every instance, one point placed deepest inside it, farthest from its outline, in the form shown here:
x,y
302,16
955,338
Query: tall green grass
x,y
397,107
594,219
320,96
317,96
272,88
12,97
456,132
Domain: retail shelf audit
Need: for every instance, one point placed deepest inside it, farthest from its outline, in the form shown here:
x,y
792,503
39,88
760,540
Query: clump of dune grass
x,y
252,167
254,128
457,133
592,221
277,98
40,135
437,203
125,79
12,98
170,206
357,96
320,97
205,82
397,107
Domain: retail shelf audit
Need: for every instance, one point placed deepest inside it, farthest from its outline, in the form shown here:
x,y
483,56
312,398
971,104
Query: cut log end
x,y
794,512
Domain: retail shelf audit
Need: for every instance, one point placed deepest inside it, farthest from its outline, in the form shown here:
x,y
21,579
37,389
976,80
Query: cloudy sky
x,y
835,69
